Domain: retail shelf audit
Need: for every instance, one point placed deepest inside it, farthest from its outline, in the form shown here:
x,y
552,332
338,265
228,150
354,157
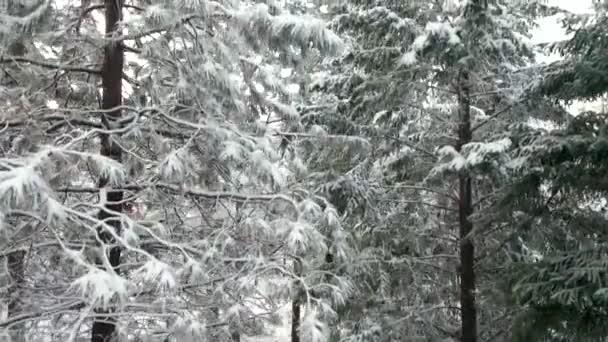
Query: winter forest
x,y
302,171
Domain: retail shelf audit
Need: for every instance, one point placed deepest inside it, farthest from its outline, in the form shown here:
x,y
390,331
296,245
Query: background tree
x,y
559,279
432,88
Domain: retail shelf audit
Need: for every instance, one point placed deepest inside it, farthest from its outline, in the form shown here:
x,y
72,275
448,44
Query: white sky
x,y
550,30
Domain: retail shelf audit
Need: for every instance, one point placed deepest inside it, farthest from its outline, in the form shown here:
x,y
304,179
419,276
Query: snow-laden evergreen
x,y
401,86
211,207
299,171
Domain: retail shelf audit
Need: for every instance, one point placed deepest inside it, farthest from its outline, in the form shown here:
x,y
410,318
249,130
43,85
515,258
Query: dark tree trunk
x,y
235,335
468,311
104,329
16,273
16,270
296,304
295,320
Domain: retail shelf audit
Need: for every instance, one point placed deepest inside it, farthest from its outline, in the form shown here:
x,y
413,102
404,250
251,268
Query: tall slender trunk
x,y
295,319
296,303
468,311
104,329
16,270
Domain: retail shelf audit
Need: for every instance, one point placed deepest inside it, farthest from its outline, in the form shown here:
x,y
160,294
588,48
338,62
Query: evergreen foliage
x,y
212,218
559,192
396,86
354,171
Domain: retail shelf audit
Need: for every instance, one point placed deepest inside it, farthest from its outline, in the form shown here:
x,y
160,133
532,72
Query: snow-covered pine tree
x,y
20,19
199,87
560,195
433,87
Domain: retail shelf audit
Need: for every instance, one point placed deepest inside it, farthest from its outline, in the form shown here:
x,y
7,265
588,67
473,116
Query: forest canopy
x,y
325,171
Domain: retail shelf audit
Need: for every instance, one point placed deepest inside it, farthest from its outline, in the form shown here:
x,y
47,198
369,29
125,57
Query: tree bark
x,y
295,320
468,311
104,329
296,304
16,270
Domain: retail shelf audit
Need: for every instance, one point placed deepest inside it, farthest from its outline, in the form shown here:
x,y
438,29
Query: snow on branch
x,y
156,272
439,30
196,193
301,237
22,186
46,65
296,30
313,329
43,312
10,23
472,155
101,287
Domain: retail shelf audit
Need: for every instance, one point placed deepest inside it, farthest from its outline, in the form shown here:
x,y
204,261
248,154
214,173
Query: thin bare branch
x,y
176,190
64,67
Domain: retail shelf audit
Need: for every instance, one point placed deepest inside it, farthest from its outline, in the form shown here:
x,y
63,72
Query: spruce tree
x,y
559,195
433,90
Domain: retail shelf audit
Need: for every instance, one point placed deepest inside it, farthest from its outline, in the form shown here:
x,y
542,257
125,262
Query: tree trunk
x,y
468,311
296,303
235,334
104,329
295,320
16,271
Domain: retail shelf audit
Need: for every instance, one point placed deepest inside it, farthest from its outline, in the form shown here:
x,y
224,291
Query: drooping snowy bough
x,y
222,214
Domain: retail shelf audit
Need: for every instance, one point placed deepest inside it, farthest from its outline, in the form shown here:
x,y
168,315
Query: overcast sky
x,y
550,29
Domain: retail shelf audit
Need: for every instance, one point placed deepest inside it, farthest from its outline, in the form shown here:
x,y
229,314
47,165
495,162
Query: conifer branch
x,y
45,65
139,35
209,195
